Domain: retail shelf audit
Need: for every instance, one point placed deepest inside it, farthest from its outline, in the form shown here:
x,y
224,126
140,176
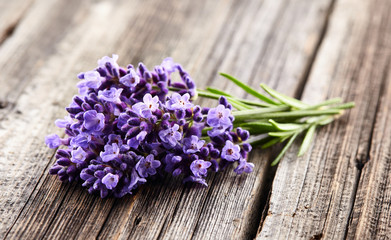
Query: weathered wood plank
x,y
10,14
49,87
312,196
229,208
371,215
38,37
39,206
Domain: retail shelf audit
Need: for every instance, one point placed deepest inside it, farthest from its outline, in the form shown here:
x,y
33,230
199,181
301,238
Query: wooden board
x,y
313,196
315,46
11,13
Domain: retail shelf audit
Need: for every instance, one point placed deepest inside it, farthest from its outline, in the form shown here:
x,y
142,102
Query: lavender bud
x,y
247,147
215,153
64,162
80,75
205,110
198,117
244,135
180,113
177,172
54,169
223,101
204,151
134,121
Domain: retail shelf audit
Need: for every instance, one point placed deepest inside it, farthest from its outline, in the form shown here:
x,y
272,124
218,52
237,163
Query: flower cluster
x,y
124,128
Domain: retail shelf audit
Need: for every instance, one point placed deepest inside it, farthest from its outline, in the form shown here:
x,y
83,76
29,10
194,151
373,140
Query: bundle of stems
x,y
277,118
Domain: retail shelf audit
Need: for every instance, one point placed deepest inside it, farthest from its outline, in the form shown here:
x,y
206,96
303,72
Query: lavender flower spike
x,y
78,155
125,128
179,102
111,152
230,151
147,166
131,79
53,141
192,144
244,166
219,116
110,180
199,168
111,95
171,136
94,121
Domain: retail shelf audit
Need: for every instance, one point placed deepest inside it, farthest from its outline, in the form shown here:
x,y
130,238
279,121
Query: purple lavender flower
x,y
244,166
81,140
135,180
219,116
78,155
142,110
111,152
171,136
106,61
179,102
216,131
199,168
110,180
94,121
169,65
110,95
230,152
145,108
131,79
135,141
147,166
192,144
123,122
63,123
53,141
92,79
199,180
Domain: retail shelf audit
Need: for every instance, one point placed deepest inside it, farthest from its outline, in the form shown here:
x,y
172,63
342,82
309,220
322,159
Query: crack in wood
x,y
360,164
298,94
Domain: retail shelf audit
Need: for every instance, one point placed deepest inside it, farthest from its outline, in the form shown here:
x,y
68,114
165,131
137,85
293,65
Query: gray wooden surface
x,y
311,50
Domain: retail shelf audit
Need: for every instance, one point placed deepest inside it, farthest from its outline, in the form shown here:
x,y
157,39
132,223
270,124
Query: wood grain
x,y
327,48
230,207
313,196
11,13
371,215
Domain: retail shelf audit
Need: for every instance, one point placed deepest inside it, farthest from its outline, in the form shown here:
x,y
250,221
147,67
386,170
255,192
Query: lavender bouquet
x,y
130,125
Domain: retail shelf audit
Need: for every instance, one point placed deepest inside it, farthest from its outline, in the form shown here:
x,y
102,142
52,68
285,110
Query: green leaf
x,y
254,103
286,126
257,113
283,151
270,143
238,105
203,93
325,103
249,89
285,99
279,112
282,134
235,103
344,105
307,140
217,91
326,121
258,127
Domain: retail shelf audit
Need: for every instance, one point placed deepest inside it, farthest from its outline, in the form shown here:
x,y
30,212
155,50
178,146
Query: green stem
x,y
291,140
277,113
